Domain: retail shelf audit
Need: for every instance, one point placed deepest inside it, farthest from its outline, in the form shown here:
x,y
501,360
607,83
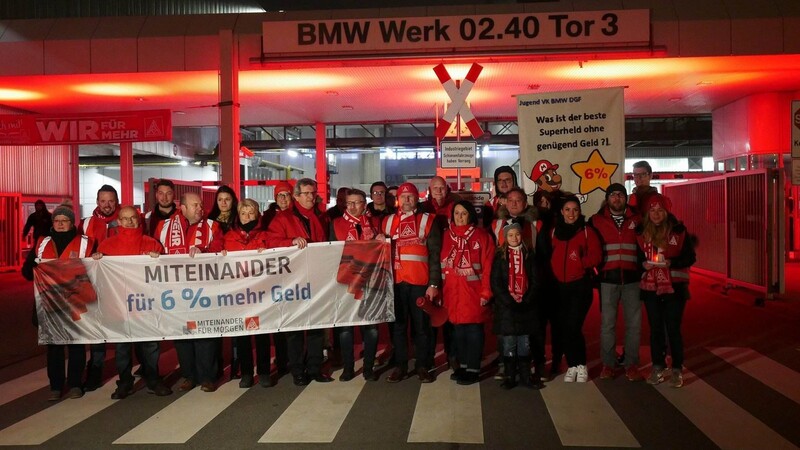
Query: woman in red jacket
x,y
574,253
245,234
467,256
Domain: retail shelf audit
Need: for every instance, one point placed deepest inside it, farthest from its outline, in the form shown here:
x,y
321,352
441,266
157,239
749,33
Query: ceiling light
x,y
184,163
17,94
292,153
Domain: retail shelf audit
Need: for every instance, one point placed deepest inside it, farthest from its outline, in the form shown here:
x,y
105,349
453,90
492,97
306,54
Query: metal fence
x,y
9,231
738,220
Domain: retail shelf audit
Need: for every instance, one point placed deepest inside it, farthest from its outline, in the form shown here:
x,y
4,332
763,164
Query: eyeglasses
x,y
379,193
355,203
284,195
641,175
311,193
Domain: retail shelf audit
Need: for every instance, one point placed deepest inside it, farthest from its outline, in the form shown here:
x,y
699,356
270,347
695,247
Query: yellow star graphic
x,y
595,172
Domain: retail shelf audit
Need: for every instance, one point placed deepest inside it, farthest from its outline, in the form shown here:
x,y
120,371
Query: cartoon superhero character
x,y
545,176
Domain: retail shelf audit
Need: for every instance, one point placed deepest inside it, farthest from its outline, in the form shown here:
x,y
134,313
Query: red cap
x,y
408,188
282,187
658,200
541,167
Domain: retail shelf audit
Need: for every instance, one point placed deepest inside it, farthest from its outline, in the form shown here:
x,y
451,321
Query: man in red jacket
x,y
188,233
103,223
130,240
299,225
619,274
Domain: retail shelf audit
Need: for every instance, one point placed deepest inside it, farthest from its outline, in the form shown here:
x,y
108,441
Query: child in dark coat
x,y
515,310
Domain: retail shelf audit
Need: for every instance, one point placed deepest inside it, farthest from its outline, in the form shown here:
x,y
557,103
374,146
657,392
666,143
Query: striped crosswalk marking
x,y
56,419
184,417
719,418
22,386
316,415
583,417
777,376
447,412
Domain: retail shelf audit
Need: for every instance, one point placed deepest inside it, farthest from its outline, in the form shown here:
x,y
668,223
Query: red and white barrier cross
x,y
458,98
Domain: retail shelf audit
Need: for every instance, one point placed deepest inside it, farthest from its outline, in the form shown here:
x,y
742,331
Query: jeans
x,y
516,346
75,364
665,313
406,311
198,359
575,300
610,297
244,351
124,361
369,334
312,340
469,342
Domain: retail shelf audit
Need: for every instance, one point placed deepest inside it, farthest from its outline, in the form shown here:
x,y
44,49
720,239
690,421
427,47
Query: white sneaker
x,y
569,377
583,374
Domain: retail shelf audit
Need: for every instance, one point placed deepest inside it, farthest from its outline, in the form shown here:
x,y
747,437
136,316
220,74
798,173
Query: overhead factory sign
x,y
86,128
458,33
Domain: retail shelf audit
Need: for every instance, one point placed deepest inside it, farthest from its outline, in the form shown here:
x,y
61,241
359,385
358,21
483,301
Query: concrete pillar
x,y
369,168
126,172
322,161
229,111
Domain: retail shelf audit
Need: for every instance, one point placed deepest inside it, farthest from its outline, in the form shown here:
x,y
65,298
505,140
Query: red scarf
x,y
459,258
106,219
367,232
658,278
517,278
176,235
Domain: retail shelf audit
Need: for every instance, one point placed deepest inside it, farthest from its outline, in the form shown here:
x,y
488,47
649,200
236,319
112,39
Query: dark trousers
x,y
281,352
298,342
97,354
575,300
244,351
75,365
469,339
665,314
448,336
407,312
198,359
124,361
369,334
548,314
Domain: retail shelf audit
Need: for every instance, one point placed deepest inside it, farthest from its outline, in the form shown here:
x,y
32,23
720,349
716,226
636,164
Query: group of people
x,y
516,272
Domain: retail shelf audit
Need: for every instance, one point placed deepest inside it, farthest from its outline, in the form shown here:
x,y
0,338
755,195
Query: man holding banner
x,y
299,225
130,240
417,273
188,233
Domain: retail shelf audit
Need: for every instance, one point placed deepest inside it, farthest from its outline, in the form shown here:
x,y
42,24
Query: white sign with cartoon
x,y
572,141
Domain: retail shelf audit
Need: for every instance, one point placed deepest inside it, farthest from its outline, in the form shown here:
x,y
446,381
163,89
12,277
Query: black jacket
x,y
512,318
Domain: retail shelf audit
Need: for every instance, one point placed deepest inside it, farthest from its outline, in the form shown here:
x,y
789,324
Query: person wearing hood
x,y
40,221
574,252
63,242
666,252
130,240
505,179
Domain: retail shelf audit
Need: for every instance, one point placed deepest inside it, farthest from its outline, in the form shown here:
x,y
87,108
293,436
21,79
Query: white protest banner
x,y
572,141
139,298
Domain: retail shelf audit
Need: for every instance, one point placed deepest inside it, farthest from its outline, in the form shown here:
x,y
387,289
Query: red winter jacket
x,y
199,235
570,259
288,225
468,281
129,241
99,227
237,239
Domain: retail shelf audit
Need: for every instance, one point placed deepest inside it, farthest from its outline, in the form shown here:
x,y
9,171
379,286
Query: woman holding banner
x,y
245,234
64,242
467,255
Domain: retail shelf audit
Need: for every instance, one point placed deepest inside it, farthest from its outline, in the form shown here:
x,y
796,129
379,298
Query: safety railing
x,y
9,231
738,220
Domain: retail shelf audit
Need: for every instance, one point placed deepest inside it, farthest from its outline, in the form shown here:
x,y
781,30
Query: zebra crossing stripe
x,y
183,418
316,415
447,412
777,376
22,386
723,421
46,424
583,417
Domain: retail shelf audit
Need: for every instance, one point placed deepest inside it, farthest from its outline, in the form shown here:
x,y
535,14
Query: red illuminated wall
x,y
36,170
758,124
